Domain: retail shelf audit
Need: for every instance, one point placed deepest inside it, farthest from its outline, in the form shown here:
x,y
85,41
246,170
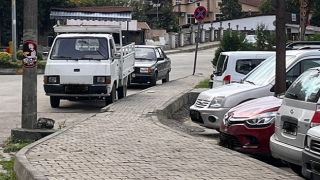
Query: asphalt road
x,y
73,111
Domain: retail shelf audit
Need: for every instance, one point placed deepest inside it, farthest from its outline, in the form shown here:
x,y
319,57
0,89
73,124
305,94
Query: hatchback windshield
x,y
265,72
145,53
306,87
80,48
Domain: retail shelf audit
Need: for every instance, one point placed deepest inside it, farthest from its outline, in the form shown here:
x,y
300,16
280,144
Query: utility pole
x,y
14,32
280,85
304,16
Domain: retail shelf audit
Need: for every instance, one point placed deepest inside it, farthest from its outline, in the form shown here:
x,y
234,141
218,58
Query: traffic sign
x,y
200,13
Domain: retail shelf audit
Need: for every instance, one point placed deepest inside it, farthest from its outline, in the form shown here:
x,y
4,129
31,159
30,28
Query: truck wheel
x,y
122,92
153,80
112,98
166,79
54,101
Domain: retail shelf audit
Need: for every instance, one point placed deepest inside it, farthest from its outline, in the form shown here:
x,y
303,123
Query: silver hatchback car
x,y
300,110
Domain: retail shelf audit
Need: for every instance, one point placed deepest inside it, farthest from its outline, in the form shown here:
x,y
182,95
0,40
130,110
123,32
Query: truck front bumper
x,y
75,90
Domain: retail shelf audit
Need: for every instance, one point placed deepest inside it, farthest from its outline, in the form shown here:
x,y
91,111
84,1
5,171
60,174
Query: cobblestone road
x,y
127,143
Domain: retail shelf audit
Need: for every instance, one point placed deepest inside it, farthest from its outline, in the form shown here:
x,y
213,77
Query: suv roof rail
x,y
291,45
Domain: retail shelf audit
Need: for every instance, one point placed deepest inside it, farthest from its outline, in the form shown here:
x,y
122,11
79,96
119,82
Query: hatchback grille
x,y
200,103
229,138
315,146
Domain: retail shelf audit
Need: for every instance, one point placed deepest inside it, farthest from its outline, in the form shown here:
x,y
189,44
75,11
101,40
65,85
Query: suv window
x,y
244,66
306,87
222,64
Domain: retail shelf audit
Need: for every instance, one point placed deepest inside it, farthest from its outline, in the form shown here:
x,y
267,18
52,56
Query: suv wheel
x,y
54,101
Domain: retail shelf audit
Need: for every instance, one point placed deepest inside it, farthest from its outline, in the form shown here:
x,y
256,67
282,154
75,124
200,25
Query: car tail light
x,y
316,118
227,79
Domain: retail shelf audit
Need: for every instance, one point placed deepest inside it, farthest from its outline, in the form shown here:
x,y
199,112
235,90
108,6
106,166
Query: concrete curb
x,y
16,71
175,51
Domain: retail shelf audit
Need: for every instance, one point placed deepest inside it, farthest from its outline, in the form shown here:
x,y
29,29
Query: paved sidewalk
x,y
128,142
191,48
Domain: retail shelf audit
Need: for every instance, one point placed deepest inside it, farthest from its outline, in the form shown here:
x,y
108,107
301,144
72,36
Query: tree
x,y
139,11
315,19
169,21
269,6
231,8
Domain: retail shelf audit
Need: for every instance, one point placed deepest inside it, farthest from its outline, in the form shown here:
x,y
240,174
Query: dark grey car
x,y
151,65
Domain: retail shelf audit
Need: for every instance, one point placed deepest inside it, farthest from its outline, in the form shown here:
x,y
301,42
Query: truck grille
x,y
76,89
315,146
136,70
200,103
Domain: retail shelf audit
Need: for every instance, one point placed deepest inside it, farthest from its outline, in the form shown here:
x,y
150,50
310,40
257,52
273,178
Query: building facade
x,y
185,9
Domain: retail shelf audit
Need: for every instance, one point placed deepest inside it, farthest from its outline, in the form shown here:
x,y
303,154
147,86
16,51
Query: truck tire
x,y
166,79
122,92
112,98
54,101
153,80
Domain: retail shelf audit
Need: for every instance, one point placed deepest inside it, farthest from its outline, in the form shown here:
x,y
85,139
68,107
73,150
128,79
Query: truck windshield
x,y
265,72
306,87
80,49
145,54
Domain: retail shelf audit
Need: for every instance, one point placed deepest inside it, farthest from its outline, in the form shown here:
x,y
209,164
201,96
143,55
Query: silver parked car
x,y
151,64
211,105
311,154
300,110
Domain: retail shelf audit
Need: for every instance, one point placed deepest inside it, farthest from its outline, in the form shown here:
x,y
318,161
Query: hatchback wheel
x,y
166,79
295,168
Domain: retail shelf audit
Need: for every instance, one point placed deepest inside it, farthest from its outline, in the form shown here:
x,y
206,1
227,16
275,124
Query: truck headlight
x,y
216,102
51,79
145,70
262,119
102,80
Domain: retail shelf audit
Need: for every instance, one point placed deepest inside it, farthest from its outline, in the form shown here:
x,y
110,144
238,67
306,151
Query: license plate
x,y
76,89
315,167
194,115
289,128
133,75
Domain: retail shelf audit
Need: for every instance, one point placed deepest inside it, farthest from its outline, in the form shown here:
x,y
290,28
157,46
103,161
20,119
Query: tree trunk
x,y
304,15
30,23
280,85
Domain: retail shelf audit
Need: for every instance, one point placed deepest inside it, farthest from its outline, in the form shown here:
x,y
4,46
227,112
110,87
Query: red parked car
x,y
248,127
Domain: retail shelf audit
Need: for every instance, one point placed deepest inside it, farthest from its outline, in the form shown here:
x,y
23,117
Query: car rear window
x,y
222,64
244,66
306,87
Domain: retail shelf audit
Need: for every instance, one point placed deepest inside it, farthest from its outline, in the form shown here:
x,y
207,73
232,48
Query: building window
x,y
191,19
178,1
218,17
198,4
190,1
218,4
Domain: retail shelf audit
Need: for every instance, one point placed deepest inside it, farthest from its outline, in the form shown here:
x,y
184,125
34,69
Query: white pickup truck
x,y
84,63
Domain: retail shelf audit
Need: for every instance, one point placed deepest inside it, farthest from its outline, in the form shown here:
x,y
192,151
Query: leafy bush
x,y
20,55
314,37
39,56
232,41
4,56
41,64
203,84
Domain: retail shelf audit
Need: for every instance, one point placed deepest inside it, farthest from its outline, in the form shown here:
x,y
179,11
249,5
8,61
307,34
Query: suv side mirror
x,y
273,88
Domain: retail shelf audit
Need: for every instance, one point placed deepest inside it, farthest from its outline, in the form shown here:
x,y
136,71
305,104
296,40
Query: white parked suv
x,y
300,110
232,66
211,105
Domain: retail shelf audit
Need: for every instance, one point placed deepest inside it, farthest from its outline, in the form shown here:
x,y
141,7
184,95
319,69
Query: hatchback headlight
x,y
145,70
216,102
262,119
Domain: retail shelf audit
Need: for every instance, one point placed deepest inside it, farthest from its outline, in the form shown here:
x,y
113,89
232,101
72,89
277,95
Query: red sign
x,y
200,13
30,54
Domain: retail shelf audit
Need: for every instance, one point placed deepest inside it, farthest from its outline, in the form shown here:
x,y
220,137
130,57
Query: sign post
x,y
199,14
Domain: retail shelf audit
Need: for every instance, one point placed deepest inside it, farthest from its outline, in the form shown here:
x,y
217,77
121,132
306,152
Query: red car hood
x,y
257,106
